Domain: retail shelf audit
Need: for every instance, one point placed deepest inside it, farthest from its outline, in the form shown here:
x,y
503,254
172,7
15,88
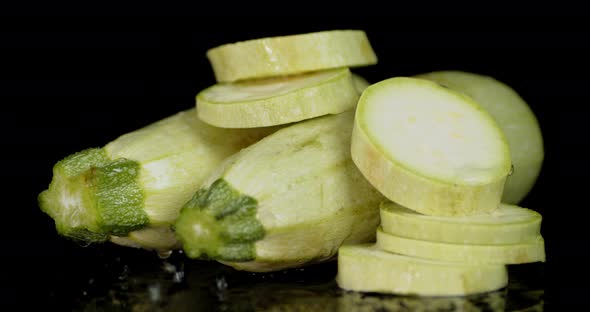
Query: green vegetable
x,y
139,180
514,117
428,148
532,250
289,55
279,100
506,225
291,199
367,269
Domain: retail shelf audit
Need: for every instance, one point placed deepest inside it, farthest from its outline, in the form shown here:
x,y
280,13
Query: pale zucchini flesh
x,y
140,180
523,252
275,101
365,268
289,55
506,225
291,199
513,116
428,148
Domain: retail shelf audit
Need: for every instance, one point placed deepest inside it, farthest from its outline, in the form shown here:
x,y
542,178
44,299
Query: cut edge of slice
x,y
366,268
508,224
525,252
289,55
277,101
427,194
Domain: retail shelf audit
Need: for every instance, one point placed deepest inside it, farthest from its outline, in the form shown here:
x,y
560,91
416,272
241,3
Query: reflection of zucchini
x,y
289,55
506,225
428,148
275,101
514,117
523,252
139,180
368,269
291,199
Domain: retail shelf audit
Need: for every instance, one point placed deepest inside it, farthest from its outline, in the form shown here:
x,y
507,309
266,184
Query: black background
x,y
69,83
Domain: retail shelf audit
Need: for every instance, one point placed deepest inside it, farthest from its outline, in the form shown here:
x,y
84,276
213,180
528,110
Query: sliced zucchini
x,y
276,101
428,148
288,55
513,116
365,268
506,225
140,180
524,252
289,200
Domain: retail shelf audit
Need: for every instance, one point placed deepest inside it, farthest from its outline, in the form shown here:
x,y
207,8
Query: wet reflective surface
x,y
121,279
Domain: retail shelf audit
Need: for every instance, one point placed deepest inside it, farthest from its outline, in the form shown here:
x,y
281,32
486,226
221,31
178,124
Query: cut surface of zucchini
x,y
429,148
289,55
525,252
514,117
506,225
365,268
276,101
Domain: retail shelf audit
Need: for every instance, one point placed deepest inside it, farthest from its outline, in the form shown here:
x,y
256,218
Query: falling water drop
x,y
164,254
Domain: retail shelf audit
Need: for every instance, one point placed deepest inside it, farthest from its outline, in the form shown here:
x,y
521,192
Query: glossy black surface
x,y
119,279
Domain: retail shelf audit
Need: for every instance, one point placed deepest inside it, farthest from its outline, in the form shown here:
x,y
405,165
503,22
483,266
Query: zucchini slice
x,y
506,225
514,117
428,148
365,268
524,252
275,101
289,55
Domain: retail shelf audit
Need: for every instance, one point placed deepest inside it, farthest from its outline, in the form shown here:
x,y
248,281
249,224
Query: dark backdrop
x,y
68,83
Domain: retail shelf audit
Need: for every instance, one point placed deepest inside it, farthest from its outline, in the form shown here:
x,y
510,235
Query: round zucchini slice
x,y
525,252
290,55
506,225
429,148
514,117
276,101
365,268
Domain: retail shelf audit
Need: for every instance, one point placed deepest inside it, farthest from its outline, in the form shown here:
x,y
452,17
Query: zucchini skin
x,y
289,200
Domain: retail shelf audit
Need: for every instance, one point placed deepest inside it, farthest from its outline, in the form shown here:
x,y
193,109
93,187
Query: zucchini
x,y
274,101
428,148
289,200
365,268
360,83
523,252
139,180
506,225
289,55
514,117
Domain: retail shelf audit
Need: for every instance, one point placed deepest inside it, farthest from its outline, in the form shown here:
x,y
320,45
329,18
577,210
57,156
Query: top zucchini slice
x,y
289,55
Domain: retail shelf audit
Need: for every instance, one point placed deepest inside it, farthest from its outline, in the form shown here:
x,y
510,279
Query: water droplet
x,y
155,292
91,281
178,277
221,283
125,273
84,293
164,254
168,267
